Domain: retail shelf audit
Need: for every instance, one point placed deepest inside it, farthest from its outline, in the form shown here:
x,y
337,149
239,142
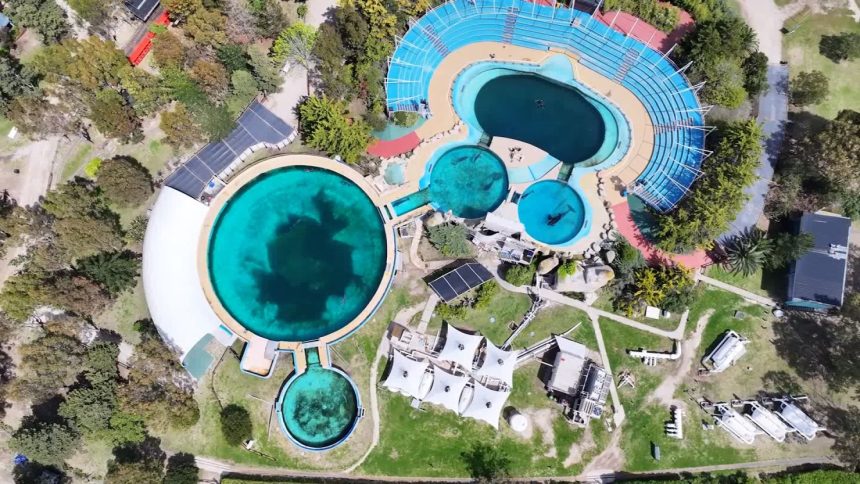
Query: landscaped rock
x,y
588,279
547,265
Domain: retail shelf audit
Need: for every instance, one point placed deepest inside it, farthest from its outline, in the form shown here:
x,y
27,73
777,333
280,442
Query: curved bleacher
x,y
670,100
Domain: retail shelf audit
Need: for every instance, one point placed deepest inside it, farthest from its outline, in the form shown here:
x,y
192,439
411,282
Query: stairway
x,y
434,39
510,23
626,64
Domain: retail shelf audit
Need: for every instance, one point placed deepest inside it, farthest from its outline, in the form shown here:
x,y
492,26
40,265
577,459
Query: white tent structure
x,y
171,282
498,364
408,376
460,347
446,389
486,405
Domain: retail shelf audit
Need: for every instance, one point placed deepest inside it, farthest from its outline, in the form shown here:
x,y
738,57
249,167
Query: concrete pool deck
x,y
257,358
442,129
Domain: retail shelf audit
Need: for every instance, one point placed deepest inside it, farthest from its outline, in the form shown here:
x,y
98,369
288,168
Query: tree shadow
x,y
820,347
780,383
147,452
844,425
486,463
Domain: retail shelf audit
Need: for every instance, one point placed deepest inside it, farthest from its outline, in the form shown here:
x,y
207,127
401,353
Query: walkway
x,y
647,33
749,296
432,301
619,415
388,148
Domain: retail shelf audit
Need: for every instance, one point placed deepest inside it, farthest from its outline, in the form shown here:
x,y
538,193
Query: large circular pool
x,y
319,408
551,211
297,253
470,181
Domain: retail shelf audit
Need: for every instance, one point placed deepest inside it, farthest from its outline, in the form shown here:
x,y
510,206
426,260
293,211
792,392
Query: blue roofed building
x,y
817,280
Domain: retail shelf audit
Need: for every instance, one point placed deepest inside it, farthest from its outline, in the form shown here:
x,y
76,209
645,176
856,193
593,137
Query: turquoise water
x,y
411,202
551,211
297,253
554,117
319,408
470,181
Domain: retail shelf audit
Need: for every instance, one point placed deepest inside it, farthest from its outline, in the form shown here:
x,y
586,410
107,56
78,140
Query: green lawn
x,y
619,338
77,161
801,51
752,283
557,320
492,321
604,302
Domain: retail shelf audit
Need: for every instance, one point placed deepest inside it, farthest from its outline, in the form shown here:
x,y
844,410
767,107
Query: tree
x,y
89,409
15,80
211,77
334,76
137,463
48,363
325,126
207,27
451,240
755,73
82,236
520,275
809,88
77,294
158,387
241,23
38,117
146,92
167,50
115,271
270,17
45,16
235,424
295,45
136,229
661,15
181,469
124,181
268,76
21,294
718,195
96,12
181,9
835,151
113,117
725,83
180,130
233,57
126,428
748,251
787,248
840,47
91,64
243,89
46,443
486,463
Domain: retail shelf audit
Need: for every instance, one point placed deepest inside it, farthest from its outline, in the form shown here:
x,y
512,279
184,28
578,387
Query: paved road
x,y
766,19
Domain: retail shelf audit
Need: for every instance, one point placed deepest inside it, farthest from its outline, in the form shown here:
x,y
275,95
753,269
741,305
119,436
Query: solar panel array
x,y
256,126
460,280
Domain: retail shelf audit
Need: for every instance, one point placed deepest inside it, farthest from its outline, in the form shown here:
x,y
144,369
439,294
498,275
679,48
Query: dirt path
x,y
665,393
766,18
608,461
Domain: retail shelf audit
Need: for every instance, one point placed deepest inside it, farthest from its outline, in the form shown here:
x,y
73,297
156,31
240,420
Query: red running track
x,y
627,227
394,147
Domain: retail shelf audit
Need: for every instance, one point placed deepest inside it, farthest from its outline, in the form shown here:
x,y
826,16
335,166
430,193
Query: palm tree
x,y
747,251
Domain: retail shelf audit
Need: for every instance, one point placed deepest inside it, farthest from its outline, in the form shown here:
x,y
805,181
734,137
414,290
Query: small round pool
x,y
551,211
470,181
297,253
319,408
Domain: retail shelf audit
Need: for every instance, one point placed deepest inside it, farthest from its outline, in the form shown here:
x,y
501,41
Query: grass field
x,y
604,302
494,320
801,50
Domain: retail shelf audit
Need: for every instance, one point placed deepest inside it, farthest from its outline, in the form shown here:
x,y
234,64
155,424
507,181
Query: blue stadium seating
x,y
668,97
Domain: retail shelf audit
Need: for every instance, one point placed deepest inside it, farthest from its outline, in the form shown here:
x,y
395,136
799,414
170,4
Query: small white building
x,y
798,420
768,421
737,426
727,353
567,367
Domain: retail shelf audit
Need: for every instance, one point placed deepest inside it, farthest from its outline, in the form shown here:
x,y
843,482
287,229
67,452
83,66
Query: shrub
x,y
450,311
405,118
137,228
46,443
660,15
520,275
845,46
787,248
450,240
485,294
325,125
92,167
302,11
568,268
747,251
235,424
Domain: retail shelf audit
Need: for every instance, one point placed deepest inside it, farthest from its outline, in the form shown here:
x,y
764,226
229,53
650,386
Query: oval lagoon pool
x,y
547,114
297,253
551,211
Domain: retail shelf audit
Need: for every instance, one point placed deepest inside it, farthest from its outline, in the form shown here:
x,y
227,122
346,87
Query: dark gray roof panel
x,y
460,280
256,125
818,275
142,9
